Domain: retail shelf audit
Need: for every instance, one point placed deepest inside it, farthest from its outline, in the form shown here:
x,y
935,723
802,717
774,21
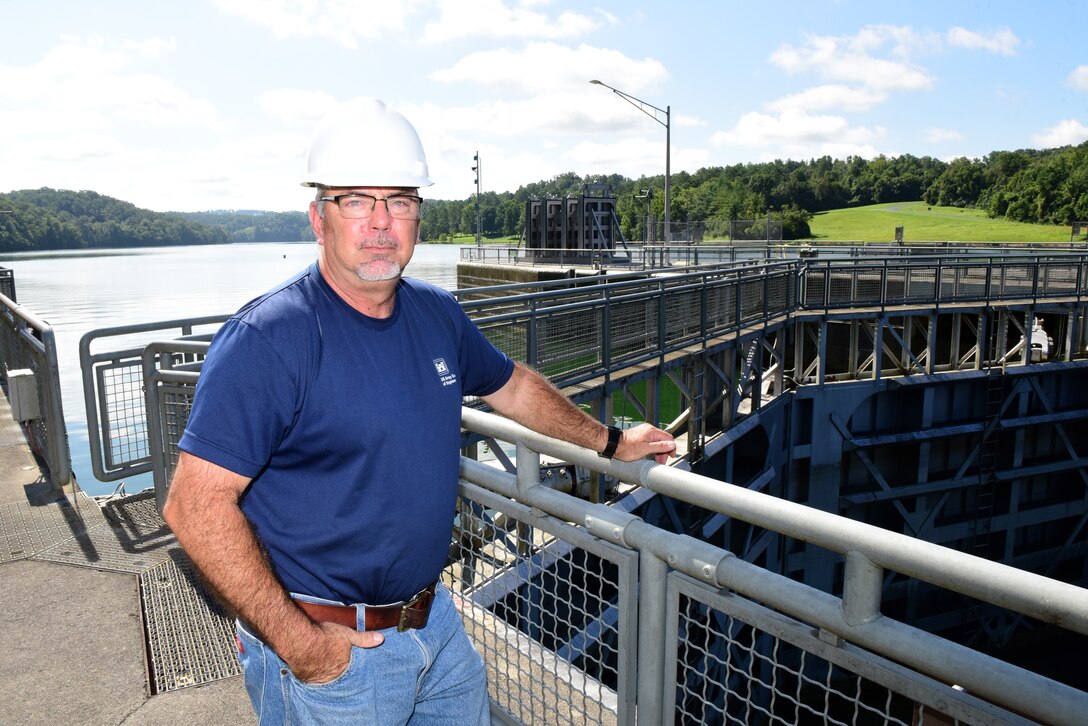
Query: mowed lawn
x,y
924,223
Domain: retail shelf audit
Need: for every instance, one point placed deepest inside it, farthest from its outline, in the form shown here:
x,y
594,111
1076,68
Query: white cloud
x,y
79,147
89,82
1079,78
151,47
757,129
295,106
342,21
797,135
843,98
1002,42
349,22
1064,133
460,19
936,135
568,69
635,156
853,59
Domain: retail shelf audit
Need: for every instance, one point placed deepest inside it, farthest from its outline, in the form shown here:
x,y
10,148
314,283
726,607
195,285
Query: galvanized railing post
x,y
606,334
652,599
530,336
861,589
528,466
59,458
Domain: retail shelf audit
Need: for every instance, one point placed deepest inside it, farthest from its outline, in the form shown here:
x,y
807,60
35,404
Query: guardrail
x,y
27,343
643,256
7,283
719,639
113,392
577,330
585,613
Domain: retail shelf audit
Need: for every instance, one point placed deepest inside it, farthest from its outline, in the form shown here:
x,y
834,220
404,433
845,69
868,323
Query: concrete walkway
x,y
73,635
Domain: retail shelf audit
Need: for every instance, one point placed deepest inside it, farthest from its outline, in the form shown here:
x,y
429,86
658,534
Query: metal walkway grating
x,y
27,529
190,641
128,535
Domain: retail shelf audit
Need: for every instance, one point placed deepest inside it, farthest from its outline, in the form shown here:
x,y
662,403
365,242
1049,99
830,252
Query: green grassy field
x,y
470,239
923,223
877,223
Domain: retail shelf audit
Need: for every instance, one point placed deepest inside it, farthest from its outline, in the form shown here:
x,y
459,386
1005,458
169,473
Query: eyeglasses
x,y
361,206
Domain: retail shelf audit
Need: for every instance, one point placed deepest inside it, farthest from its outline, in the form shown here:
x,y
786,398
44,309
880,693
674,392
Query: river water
x,y
76,292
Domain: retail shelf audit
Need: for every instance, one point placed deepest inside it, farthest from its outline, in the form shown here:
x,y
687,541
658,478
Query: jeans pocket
x,y
348,698
251,654
343,675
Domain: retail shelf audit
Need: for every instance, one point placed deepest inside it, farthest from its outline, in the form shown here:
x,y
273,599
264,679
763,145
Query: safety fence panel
x,y
751,294
511,336
121,407
1059,279
683,319
113,391
779,297
721,307
964,282
842,283
569,340
633,322
7,284
175,404
814,281
920,284
1017,280
27,343
552,610
867,286
731,660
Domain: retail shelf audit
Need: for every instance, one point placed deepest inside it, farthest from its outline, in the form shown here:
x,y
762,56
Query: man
x,y
316,486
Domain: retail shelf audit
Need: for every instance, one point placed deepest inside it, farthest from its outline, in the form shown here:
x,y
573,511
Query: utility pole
x,y
476,168
654,113
648,195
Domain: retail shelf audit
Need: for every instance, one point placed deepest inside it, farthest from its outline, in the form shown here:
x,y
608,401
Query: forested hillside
x,y
1044,187
256,226
48,219
1035,186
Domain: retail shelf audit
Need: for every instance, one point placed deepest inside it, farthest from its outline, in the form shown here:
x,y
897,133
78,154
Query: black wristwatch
x,y
614,435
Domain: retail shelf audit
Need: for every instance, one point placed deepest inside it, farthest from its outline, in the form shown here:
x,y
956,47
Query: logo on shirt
x,y
447,378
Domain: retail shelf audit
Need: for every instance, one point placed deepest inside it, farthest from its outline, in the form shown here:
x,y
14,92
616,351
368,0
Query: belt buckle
x,y
402,623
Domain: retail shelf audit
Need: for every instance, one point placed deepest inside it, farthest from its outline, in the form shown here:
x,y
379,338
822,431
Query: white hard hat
x,y
362,143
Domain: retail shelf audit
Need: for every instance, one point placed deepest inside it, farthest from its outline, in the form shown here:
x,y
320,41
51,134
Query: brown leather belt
x,y
402,616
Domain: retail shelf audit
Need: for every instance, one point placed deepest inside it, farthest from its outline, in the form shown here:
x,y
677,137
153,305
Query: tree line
x,y
1035,186
48,219
1047,186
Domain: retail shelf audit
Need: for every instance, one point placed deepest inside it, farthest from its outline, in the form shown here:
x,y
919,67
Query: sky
x,y
209,104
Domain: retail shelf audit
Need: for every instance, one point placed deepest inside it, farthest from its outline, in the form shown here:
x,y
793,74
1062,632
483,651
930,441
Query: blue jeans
x,y
421,677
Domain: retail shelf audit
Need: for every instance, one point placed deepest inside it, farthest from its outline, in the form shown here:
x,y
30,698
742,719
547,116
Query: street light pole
x,y
667,123
476,168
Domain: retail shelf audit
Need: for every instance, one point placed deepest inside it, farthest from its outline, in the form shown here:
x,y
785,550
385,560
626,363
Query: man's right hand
x,y
328,653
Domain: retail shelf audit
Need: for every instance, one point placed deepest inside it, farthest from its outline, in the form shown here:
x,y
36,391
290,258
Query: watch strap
x,y
614,435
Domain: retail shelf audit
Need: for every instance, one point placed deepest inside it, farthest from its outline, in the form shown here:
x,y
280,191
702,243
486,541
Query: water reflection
x,y
77,292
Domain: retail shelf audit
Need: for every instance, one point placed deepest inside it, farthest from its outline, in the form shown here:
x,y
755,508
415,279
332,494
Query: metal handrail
x,y
95,399
801,286
35,340
868,550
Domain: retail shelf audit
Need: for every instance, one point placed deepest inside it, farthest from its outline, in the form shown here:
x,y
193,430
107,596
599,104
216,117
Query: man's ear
x,y
317,224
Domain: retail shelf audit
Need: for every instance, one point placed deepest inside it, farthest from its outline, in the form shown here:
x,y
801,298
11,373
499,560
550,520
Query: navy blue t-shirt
x,y
349,427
